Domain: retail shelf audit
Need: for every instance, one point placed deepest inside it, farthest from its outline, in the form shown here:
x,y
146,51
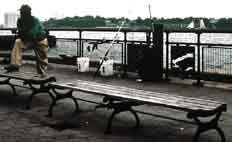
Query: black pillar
x,y
151,68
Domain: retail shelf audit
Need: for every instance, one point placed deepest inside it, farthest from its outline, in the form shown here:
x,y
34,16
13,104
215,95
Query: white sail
x,y
202,24
191,25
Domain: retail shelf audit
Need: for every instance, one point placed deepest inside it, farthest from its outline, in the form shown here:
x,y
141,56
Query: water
x,y
99,35
69,47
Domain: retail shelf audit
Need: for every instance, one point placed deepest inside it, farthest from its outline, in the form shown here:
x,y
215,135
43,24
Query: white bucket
x,y
107,68
82,64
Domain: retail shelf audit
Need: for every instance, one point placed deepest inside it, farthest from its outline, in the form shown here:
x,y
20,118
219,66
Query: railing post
x,y
80,44
202,63
156,67
167,55
198,83
124,53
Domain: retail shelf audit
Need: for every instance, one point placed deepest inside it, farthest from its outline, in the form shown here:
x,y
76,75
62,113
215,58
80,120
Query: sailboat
x,y
200,25
191,25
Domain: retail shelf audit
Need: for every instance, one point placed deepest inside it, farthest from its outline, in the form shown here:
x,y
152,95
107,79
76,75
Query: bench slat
x,y
143,95
147,100
150,92
178,102
160,95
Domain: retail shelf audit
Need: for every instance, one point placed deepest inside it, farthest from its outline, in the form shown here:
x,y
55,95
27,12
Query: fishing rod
x,y
111,45
152,24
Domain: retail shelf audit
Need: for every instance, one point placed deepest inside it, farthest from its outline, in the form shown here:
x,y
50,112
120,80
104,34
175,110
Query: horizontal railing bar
x,y
114,29
95,39
109,40
198,31
194,43
100,29
92,39
187,43
63,38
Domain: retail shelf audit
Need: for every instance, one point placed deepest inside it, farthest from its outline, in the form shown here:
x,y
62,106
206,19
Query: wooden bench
x,y
123,99
30,80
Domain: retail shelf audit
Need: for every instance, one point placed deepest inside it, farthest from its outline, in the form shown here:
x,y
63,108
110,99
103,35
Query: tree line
x,y
169,23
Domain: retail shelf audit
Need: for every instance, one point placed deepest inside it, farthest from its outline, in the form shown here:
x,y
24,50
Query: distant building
x,y
10,20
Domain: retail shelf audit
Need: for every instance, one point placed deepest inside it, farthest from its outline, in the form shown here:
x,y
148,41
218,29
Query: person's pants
x,y
41,52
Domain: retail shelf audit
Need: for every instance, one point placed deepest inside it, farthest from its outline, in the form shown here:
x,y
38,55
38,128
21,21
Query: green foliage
x,y
224,23
98,21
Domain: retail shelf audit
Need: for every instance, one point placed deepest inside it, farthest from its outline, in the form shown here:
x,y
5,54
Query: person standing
x,y
31,34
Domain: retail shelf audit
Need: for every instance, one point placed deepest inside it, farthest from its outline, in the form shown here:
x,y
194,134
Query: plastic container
x,y
107,68
82,64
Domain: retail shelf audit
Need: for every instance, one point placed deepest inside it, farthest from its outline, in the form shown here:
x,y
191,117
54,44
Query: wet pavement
x,y
88,125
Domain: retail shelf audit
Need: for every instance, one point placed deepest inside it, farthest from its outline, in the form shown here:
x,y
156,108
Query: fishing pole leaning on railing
x,y
152,25
107,52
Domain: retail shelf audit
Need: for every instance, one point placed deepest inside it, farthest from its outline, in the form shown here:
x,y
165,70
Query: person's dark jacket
x,y
30,29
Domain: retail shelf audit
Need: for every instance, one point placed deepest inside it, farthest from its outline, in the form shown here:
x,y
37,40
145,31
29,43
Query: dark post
x,y
167,55
124,54
80,43
124,49
198,83
158,50
148,38
151,68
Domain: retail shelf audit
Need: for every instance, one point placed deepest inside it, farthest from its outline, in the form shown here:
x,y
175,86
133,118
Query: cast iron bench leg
x,y
119,106
7,82
60,96
76,104
42,89
117,111
136,117
50,112
206,126
13,88
28,102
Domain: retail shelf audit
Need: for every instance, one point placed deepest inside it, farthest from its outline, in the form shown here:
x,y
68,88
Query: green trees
x,y
224,23
170,23
75,22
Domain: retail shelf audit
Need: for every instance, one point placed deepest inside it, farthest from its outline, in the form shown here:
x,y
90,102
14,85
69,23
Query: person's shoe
x,y
11,68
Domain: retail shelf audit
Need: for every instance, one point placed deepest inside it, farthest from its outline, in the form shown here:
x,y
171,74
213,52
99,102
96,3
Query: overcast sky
x,y
45,9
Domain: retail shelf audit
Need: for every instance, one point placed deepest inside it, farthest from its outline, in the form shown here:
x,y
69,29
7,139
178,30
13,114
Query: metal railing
x,y
211,57
210,60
